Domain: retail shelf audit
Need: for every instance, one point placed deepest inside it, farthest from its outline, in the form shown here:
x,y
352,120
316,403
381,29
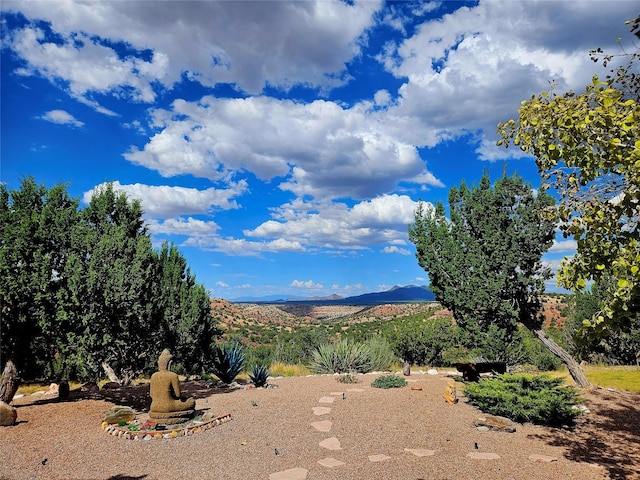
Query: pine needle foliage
x,y
538,399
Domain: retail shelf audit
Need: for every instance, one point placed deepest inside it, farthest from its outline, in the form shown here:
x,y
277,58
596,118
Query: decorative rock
x,y
331,444
327,399
378,458
483,456
321,410
416,387
63,390
291,474
324,426
406,369
118,413
330,462
8,414
542,458
432,371
420,452
494,422
482,428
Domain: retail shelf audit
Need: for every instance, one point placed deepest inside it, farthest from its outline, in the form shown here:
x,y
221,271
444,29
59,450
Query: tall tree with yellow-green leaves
x,y
587,148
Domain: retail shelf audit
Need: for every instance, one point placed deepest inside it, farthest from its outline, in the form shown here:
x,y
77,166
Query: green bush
x,y
342,357
389,381
228,361
259,375
381,355
422,341
537,399
348,378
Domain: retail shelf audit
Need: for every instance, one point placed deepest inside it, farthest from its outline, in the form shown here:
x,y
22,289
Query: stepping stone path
x,y
324,426
378,458
420,452
330,462
321,410
291,474
333,443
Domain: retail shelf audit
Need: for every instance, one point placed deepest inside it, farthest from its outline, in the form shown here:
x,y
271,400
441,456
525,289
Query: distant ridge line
x,y
397,294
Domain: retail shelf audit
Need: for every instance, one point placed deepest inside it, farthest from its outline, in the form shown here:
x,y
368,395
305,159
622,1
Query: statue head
x,y
164,360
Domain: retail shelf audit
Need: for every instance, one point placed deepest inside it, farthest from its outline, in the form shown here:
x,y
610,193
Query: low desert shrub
x,y
228,361
389,381
289,370
348,378
522,398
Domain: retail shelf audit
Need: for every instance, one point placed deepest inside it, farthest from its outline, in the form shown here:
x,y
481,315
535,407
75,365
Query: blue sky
x,y
283,146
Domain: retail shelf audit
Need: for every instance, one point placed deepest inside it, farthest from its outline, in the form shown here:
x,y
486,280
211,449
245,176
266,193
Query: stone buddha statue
x,y
167,404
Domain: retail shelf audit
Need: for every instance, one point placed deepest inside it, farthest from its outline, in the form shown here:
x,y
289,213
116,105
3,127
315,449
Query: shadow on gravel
x,y
137,396
126,477
608,436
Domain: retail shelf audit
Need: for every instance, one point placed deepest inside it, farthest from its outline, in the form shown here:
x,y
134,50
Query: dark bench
x,y
471,371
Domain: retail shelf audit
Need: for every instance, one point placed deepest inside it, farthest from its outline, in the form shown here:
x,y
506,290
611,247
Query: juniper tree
x,y
484,261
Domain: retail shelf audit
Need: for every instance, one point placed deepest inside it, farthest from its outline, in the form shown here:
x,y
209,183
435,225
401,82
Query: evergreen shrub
x,y
538,399
389,381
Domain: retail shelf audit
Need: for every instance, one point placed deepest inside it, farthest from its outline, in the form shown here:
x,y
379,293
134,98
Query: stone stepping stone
x,y
336,394
378,458
327,399
420,452
321,410
331,444
323,426
483,456
542,458
330,462
291,474
355,390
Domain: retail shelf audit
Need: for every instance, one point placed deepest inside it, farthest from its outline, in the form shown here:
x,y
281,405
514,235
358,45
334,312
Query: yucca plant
x,y
342,357
259,375
228,361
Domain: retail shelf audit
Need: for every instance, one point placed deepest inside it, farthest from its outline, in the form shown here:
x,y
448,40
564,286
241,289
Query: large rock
x,y
119,413
8,414
494,422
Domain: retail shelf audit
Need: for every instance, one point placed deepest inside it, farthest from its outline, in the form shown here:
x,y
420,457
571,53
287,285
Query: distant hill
x,y
397,294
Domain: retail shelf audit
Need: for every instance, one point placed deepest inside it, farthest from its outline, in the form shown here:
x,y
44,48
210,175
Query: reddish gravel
x,y
271,432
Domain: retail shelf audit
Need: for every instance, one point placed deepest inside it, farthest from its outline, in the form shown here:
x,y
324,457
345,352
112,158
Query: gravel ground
x,y
271,432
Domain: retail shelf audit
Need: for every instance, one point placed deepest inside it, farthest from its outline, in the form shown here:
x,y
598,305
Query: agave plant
x,y
259,375
228,361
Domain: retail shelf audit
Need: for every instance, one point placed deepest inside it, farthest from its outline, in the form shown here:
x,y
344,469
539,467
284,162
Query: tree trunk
x,y
9,383
574,368
110,373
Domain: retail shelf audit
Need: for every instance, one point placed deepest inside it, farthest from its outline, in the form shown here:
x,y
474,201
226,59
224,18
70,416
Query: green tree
x,y
484,262
182,311
110,285
37,231
587,147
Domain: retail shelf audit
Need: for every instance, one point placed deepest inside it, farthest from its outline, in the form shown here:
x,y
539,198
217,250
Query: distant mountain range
x,y
397,294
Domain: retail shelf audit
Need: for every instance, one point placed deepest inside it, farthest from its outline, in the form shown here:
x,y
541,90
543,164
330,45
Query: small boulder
x,y
494,422
119,413
8,414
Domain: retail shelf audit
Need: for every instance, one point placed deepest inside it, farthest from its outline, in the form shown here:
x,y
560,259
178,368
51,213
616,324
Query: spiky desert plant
x,y
228,361
259,375
341,357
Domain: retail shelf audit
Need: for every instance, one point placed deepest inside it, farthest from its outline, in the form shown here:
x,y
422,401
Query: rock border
x,y
185,431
